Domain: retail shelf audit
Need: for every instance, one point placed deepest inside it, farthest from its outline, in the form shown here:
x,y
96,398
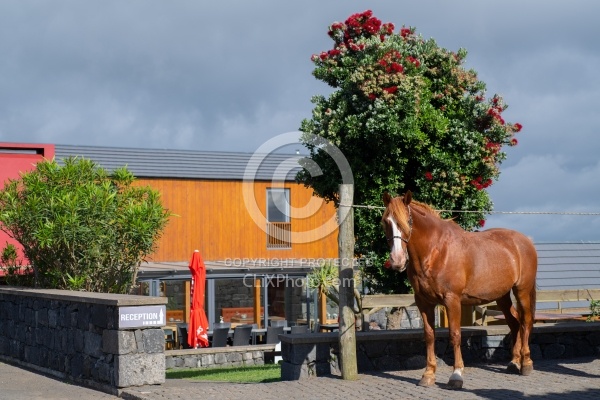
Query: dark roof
x,y
219,269
162,163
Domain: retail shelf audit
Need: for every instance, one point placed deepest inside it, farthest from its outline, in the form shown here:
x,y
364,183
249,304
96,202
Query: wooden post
x,y
347,331
257,319
187,301
322,306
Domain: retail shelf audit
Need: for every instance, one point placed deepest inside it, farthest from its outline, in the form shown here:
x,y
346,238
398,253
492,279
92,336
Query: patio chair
x,y
317,327
273,333
220,336
222,325
169,339
241,335
278,322
182,336
299,329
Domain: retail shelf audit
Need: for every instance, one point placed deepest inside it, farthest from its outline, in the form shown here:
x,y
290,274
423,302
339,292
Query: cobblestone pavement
x,y
577,378
557,379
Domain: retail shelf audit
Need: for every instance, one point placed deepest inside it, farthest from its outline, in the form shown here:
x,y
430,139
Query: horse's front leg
x,y
428,317
454,315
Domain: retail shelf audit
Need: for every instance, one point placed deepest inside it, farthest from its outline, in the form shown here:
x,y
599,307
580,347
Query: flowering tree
x,y
407,116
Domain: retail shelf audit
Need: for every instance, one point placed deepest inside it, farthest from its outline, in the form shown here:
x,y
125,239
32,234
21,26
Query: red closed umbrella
x,y
198,326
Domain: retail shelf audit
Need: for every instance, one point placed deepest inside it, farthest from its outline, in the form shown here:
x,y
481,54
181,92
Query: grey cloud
x,y
230,75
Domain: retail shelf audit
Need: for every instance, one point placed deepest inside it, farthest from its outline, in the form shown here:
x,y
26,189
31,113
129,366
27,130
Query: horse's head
x,y
397,224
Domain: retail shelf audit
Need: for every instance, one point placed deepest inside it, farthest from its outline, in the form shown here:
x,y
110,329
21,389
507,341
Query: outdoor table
x,y
258,332
175,333
243,320
254,333
330,327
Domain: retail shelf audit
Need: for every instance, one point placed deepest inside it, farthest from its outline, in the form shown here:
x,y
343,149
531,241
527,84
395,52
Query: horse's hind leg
x,y
526,309
512,319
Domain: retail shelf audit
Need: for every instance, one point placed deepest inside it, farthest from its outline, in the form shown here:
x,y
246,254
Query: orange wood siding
x,y
212,217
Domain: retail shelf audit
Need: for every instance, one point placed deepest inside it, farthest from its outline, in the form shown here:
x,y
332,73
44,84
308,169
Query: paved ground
x,y
577,378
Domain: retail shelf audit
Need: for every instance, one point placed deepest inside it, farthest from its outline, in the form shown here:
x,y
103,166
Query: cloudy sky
x,y
230,75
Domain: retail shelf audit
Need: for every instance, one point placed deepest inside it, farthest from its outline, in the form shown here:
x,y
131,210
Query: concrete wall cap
x,y
110,299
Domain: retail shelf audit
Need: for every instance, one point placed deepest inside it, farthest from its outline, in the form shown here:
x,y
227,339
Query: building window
x,y
279,227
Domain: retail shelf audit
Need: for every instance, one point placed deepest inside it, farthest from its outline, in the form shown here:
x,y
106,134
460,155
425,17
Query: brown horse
x,y
449,266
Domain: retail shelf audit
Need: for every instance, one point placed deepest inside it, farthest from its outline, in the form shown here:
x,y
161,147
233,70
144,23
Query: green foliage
x,y
595,310
406,115
326,279
15,273
81,228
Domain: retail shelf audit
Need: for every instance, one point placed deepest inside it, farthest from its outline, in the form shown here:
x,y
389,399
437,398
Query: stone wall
x,y
75,336
310,355
390,318
217,357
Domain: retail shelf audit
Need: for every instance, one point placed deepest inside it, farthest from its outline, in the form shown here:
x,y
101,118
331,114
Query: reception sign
x,y
142,316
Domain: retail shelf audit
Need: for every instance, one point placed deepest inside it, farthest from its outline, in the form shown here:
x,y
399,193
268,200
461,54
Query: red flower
x,y
477,183
372,96
518,127
428,176
482,223
387,264
514,142
395,68
372,25
413,60
391,89
388,28
356,47
404,32
336,26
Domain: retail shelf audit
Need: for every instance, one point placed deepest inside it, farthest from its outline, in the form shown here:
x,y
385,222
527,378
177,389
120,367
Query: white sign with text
x,y
142,316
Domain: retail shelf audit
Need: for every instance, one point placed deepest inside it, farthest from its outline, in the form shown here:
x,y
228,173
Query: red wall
x,y
14,159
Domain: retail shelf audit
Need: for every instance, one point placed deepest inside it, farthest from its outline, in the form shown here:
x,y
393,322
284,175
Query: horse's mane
x,y
426,208
399,212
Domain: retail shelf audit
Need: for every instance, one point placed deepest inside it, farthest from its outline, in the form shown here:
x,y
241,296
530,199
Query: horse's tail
x,y
532,298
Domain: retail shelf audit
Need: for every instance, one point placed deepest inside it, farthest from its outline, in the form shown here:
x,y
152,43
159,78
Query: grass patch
x,y
247,374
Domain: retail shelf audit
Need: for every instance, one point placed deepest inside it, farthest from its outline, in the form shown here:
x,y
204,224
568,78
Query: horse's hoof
x,y
456,380
513,368
455,384
527,370
427,381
